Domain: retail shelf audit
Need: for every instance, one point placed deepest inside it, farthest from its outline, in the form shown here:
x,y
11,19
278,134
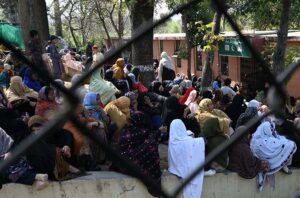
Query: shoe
x,y
41,177
286,170
210,172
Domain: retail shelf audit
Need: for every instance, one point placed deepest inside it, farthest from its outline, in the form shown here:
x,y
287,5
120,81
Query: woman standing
x,y
166,69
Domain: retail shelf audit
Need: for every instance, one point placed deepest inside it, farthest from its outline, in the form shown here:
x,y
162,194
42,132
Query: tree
x,y
9,8
279,55
200,12
106,12
33,15
58,12
141,12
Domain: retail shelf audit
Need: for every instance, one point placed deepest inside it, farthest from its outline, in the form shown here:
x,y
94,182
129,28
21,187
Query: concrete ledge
x,y
115,185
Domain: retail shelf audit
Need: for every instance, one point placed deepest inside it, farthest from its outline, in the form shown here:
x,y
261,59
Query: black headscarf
x,y
236,108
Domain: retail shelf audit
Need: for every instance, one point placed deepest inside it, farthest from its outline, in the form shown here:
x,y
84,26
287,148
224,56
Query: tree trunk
x,y
142,50
188,42
57,19
207,74
279,54
23,9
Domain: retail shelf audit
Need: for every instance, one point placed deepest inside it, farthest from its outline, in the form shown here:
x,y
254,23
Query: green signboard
x,y
13,34
234,47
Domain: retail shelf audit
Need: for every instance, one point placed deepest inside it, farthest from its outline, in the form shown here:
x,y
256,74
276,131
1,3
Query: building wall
x,y
234,62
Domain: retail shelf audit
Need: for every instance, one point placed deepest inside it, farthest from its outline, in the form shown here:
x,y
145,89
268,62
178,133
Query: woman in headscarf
x,y
207,111
19,172
267,145
151,108
185,154
174,91
133,101
119,113
118,69
212,132
92,104
217,99
46,104
183,99
192,102
140,145
217,84
20,96
5,76
31,80
106,89
59,99
172,109
157,87
241,158
11,121
166,69
184,85
134,81
49,155
236,108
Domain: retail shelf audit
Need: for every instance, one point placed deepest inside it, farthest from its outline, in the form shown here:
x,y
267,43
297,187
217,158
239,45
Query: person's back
x,y
226,89
185,153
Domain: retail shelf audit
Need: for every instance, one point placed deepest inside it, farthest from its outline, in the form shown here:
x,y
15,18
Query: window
x,y
177,46
178,62
199,58
161,45
177,51
224,65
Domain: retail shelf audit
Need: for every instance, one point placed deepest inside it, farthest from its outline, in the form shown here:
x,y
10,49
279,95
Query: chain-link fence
x,y
277,96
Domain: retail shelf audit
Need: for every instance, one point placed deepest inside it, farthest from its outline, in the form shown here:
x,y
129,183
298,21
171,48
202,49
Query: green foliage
x,y
206,38
200,12
263,14
291,54
170,26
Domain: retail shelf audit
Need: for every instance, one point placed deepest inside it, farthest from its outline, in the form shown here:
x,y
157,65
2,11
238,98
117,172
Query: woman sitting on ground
x,y
93,110
21,97
19,172
51,154
12,122
119,113
5,76
151,109
31,80
192,102
207,111
140,145
46,105
267,145
185,154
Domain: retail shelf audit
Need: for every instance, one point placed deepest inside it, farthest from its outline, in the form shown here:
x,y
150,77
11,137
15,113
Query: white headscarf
x,y
191,98
267,145
185,154
254,103
164,62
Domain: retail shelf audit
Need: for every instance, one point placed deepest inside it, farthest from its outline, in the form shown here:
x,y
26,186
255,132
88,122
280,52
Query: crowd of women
x,y
134,119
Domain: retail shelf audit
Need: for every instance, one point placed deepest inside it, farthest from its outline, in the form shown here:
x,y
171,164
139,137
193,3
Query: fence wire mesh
x,y
277,96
